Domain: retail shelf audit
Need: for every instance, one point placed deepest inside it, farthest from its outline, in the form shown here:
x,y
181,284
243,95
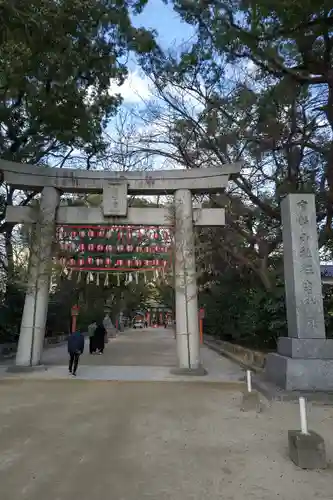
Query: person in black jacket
x,y
75,349
99,338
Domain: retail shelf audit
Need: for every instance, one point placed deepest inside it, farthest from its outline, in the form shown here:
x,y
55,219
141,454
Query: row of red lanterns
x,y
93,247
98,261
109,232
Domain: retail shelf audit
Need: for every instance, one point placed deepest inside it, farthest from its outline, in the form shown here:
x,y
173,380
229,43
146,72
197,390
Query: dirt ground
x,y
88,440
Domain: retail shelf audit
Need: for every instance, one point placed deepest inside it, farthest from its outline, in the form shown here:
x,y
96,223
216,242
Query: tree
x,y
291,45
57,60
255,84
201,120
224,98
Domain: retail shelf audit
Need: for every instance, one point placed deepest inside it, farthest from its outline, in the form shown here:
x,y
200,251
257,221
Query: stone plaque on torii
x,y
115,186
115,199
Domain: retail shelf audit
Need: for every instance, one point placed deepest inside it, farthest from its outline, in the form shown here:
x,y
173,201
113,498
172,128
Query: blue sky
x,y
172,32
166,22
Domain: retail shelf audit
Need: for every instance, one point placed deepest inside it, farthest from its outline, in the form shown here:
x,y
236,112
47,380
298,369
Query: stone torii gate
x,y
115,186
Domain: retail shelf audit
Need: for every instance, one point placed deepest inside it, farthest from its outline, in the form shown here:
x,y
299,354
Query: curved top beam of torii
x,y
156,182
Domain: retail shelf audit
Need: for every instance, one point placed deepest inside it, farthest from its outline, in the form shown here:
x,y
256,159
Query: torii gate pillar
x,y
30,345
187,326
114,185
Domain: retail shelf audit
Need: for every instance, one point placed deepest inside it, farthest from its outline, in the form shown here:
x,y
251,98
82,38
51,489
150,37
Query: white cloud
x,y
134,90
251,67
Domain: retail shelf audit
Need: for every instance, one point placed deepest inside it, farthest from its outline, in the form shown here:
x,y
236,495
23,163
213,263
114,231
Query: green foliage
x,y
93,300
238,311
276,113
57,60
281,37
11,308
165,293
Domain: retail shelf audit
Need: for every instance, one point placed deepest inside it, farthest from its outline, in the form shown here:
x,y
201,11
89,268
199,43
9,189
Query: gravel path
x,y
86,440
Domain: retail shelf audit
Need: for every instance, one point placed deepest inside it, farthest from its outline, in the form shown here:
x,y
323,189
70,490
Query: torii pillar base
x,y
189,372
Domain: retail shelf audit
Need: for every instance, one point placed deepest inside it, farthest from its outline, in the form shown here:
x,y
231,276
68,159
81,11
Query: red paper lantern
x,y
82,234
107,261
108,248
81,262
100,248
90,261
82,247
101,233
91,233
91,247
72,262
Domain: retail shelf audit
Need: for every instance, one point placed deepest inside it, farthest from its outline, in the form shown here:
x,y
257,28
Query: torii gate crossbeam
x,y
115,186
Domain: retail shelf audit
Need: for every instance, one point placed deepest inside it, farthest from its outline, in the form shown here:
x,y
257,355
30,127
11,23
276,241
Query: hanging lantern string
x,y
97,254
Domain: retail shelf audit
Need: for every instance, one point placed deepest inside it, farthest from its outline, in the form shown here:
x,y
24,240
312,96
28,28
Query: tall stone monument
x,y
304,359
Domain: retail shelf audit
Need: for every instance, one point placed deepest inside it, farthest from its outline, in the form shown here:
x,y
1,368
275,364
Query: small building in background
x,y
326,271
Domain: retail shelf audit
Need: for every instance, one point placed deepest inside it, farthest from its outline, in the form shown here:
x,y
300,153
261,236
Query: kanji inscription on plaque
x,y
115,199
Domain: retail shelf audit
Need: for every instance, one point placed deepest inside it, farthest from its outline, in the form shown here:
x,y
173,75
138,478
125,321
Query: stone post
x,y
30,346
304,359
187,325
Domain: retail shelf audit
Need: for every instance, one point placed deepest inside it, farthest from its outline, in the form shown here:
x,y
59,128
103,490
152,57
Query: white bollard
x,y
306,449
302,411
251,399
249,381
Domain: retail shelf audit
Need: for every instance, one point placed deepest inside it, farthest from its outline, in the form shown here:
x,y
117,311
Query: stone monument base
x,y
251,401
305,348
300,374
307,451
